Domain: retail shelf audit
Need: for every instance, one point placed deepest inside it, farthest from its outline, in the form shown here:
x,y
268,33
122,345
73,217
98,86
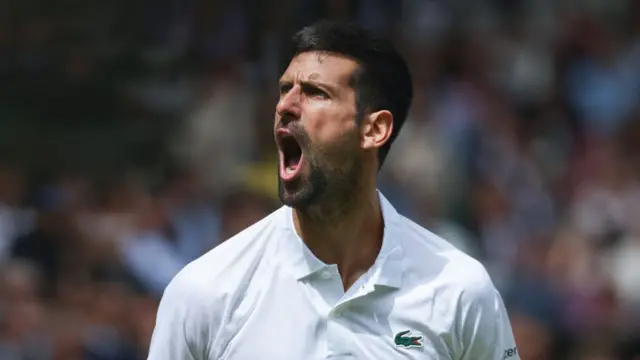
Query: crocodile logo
x,y
404,339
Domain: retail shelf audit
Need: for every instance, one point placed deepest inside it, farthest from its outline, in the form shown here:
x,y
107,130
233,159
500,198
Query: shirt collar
x,y
386,270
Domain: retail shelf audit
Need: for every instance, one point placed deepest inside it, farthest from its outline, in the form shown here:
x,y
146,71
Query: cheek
x,y
318,123
336,151
327,127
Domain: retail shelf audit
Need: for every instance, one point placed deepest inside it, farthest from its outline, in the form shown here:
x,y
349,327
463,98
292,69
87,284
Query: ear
x,y
376,129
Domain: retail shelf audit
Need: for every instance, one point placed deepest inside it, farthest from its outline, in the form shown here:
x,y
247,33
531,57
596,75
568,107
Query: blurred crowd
x,y
136,135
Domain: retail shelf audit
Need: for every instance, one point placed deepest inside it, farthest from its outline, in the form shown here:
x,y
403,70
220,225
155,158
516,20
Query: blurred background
x,y
136,135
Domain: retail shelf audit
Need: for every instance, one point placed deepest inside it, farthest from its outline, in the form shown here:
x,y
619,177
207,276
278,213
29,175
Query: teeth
x,y
289,170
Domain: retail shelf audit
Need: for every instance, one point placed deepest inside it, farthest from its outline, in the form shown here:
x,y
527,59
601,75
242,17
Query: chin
x,y
304,191
298,195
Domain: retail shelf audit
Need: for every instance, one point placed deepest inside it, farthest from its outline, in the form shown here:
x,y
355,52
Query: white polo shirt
x,y
264,295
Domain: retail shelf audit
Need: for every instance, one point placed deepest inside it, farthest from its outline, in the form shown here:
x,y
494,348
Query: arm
x,y
485,332
183,324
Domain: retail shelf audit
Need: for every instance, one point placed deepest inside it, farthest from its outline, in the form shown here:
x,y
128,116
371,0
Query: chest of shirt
x,y
316,320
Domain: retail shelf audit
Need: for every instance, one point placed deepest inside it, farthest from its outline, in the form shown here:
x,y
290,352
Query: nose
x,y
289,103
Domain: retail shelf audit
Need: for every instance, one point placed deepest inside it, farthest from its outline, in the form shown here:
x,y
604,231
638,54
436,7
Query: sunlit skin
x,y
333,194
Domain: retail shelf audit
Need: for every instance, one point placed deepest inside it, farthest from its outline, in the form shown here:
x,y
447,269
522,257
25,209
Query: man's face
x,y
316,130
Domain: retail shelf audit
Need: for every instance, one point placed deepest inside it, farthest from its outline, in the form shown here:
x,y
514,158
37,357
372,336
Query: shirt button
x,y
325,275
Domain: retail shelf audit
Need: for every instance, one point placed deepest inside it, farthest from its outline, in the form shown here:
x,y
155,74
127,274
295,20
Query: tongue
x,y
292,163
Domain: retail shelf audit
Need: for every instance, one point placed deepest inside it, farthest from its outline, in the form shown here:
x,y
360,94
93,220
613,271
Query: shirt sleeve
x,y
485,332
182,326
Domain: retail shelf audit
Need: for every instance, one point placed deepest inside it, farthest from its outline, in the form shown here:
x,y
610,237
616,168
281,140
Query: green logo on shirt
x,y
404,339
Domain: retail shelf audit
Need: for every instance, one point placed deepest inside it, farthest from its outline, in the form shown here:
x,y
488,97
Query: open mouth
x,y
290,155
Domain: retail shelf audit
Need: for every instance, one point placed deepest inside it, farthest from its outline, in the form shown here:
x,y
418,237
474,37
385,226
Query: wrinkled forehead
x,y
320,67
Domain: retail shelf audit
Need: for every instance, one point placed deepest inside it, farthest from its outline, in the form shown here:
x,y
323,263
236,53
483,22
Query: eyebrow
x,y
329,87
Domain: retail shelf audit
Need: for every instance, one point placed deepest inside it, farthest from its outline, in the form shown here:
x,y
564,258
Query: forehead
x,y
321,67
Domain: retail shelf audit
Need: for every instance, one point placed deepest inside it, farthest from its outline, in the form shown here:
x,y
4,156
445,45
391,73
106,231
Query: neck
x,y
348,235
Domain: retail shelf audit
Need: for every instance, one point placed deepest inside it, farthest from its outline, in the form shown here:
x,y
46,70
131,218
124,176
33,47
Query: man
x,y
336,272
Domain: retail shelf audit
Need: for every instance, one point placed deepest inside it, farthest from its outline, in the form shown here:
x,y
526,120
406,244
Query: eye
x,y
314,91
285,87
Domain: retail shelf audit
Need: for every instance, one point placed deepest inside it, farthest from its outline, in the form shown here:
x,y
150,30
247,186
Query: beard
x,y
331,177
306,190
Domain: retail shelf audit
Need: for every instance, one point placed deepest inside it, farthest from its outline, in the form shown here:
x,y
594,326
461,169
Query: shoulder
x,y
430,258
459,291
198,298
198,314
228,265
202,285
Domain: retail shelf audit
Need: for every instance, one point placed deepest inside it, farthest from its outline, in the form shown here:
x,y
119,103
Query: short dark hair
x,y
382,81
